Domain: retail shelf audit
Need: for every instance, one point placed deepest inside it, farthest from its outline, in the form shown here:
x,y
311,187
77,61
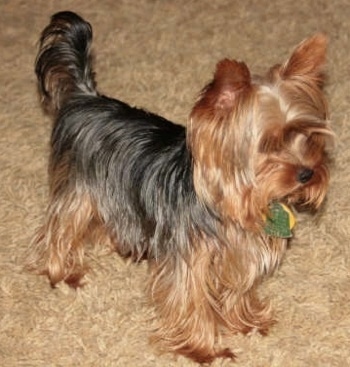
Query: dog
x,y
210,205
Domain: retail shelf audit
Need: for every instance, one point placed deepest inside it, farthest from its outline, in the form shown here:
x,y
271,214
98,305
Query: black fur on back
x,y
134,164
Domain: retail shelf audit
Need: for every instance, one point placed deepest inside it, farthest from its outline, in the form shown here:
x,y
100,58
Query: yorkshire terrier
x,y
197,202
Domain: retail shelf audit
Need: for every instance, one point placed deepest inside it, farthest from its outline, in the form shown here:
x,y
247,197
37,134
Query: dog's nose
x,y
305,175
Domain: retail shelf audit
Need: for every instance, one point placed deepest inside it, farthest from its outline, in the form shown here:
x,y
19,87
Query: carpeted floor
x,y
158,54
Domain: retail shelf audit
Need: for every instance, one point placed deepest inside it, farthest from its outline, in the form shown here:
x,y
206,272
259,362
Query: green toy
x,y
280,221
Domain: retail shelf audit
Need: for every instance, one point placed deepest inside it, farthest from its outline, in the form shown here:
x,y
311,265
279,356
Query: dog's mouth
x,y
309,197
305,207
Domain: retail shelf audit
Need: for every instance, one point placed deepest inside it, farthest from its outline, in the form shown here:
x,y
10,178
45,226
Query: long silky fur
x,y
191,200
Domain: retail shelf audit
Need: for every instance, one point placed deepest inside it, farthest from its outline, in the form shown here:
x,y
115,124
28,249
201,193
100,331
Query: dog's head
x,y
256,140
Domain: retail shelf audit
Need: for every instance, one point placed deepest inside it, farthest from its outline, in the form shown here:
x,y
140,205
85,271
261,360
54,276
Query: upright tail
x,y
64,63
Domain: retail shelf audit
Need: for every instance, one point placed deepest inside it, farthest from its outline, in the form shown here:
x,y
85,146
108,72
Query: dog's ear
x,y
307,60
231,78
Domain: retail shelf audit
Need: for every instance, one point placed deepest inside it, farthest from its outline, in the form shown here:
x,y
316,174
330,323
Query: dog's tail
x,y
64,62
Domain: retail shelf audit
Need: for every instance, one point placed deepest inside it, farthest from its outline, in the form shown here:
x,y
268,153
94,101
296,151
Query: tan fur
x,y
59,245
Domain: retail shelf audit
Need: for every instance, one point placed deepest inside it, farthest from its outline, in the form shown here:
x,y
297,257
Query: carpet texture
x,y
158,55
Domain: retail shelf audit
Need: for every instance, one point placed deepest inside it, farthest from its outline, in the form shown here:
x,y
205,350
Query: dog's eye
x,y
304,175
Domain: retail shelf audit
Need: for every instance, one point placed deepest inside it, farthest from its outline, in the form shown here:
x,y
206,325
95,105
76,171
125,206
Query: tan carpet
x,y
158,54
